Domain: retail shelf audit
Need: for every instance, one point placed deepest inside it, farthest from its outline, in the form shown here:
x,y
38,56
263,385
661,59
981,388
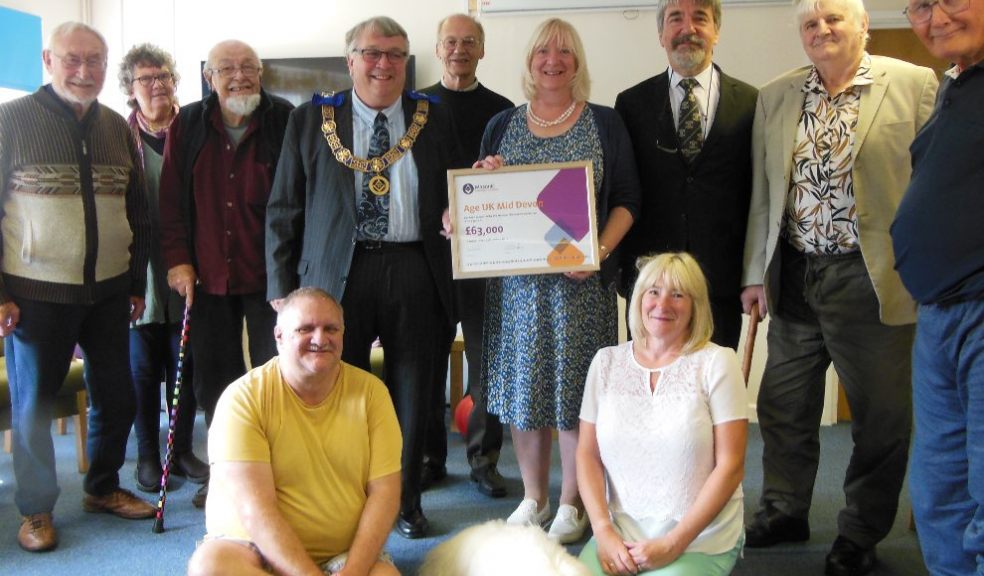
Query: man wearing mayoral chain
x,y
356,210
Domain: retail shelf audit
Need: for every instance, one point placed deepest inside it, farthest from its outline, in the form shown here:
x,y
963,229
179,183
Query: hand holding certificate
x,y
532,219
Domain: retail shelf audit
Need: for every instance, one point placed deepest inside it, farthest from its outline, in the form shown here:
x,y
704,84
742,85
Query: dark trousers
x,y
154,359
828,311
390,294
216,334
38,356
484,438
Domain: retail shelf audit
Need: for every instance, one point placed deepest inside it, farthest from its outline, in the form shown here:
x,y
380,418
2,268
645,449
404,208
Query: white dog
x,y
495,549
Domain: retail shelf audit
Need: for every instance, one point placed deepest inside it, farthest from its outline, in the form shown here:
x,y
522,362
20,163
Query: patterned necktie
x,y
373,210
689,129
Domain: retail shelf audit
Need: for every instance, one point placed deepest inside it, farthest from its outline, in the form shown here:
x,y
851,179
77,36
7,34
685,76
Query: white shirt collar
x,y
368,115
703,78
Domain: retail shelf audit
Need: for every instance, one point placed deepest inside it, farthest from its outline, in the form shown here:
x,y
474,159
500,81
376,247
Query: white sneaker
x,y
527,514
569,525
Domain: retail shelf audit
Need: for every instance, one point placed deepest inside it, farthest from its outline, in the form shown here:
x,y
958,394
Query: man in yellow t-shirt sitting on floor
x,y
305,454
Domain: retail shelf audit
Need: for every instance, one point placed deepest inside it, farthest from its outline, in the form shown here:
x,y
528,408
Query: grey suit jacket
x,y
311,215
893,109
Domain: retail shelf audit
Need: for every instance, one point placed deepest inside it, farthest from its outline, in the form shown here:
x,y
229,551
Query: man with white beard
x,y
219,165
73,261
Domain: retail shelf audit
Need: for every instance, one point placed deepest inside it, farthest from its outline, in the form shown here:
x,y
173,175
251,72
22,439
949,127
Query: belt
x,y
833,257
381,246
814,257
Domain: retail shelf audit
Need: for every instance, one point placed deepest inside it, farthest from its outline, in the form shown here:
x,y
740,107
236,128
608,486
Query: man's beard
x,y
242,105
72,98
688,57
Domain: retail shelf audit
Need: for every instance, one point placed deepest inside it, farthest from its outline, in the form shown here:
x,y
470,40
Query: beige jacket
x,y
893,108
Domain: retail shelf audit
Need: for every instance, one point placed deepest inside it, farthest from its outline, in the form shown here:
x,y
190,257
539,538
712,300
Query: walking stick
x,y
172,419
753,322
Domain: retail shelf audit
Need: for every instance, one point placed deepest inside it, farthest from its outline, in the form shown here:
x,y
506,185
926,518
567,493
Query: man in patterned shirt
x,y
830,163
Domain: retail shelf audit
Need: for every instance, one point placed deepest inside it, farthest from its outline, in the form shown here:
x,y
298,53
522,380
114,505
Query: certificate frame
x,y
524,219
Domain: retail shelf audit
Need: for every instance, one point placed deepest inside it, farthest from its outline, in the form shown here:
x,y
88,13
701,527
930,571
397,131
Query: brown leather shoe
x,y
119,502
37,533
198,500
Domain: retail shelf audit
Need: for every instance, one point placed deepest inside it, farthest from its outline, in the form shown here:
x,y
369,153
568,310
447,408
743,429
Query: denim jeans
x,y
38,356
154,359
947,474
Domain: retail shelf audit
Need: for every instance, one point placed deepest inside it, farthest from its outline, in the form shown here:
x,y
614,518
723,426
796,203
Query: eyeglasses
x,y
73,62
922,12
373,55
248,70
150,79
467,43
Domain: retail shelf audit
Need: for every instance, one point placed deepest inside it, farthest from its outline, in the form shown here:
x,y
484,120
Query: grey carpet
x,y
101,544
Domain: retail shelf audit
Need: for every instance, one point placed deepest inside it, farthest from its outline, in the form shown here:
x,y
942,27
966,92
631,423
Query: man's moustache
x,y
690,38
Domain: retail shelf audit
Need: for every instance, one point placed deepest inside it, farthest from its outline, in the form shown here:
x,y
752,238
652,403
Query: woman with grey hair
x,y
541,331
148,78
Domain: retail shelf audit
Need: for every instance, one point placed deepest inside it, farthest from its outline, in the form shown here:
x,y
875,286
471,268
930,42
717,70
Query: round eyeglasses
x,y
922,12
150,79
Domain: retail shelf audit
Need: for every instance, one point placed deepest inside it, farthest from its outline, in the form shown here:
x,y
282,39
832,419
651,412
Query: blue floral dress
x,y
541,331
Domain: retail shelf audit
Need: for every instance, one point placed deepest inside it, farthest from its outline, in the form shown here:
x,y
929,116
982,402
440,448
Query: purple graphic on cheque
x,y
572,218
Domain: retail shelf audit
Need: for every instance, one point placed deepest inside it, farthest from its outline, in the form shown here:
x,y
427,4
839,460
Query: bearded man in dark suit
x,y
691,129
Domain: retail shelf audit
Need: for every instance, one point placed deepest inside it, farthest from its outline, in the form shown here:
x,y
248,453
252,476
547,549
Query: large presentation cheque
x,y
531,219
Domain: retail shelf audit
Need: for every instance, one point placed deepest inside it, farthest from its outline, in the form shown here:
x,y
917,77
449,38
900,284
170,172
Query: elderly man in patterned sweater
x,y
75,235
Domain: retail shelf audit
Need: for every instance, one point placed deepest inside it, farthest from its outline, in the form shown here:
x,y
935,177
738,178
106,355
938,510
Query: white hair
x,y
495,548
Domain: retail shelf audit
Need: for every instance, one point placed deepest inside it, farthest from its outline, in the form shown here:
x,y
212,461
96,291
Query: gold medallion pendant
x,y
379,185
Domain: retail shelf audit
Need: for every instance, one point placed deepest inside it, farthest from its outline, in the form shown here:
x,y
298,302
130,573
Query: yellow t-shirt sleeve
x,y
237,433
385,439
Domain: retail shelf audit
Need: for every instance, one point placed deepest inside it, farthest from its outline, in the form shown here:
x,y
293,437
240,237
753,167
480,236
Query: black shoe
x,y
848,559
412,524
431,475
198,500
488,481
148,474
771,527
190,466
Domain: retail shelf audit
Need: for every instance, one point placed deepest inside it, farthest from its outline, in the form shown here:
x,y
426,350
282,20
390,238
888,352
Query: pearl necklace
x,y
536,120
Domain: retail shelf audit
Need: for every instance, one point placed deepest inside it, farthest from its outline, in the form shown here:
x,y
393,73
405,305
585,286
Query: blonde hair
x,y
676,271
564,36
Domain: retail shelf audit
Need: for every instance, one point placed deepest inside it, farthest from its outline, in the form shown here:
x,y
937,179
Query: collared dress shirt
x,y
404,212
232,186
821,215
707,92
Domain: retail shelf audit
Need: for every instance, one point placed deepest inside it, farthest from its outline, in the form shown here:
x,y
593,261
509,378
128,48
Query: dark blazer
x,y
311,216
701,208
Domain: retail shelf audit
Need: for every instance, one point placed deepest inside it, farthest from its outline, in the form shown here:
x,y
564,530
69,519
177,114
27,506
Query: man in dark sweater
x,y
460,45
219,162
76,237
939,251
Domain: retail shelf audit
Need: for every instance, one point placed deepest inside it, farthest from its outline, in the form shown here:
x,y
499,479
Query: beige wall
x,y
622,47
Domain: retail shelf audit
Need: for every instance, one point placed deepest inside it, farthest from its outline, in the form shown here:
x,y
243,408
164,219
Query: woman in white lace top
x,y
661,452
